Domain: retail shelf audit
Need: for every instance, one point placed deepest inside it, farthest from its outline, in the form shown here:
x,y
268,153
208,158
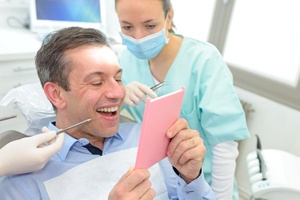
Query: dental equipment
x,y
157,86
273,174
9,117
73,126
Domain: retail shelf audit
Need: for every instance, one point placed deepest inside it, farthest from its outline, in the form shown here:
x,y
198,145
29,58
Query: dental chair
x,y
9,136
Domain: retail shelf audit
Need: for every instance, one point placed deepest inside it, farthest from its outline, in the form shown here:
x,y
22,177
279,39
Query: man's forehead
x,y
101,56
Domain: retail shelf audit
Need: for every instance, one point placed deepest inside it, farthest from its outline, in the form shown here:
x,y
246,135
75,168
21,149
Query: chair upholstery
x,y
9,136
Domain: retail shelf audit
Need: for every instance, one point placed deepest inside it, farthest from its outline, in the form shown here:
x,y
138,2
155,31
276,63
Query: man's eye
x,y
96,83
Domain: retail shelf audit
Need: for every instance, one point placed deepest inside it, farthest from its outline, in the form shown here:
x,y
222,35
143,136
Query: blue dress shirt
x,y
72,154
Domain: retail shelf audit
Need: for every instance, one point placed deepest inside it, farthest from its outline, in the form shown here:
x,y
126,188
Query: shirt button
x,y
188,192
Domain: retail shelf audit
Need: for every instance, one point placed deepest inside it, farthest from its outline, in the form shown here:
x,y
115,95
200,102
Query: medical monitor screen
x,y
49,15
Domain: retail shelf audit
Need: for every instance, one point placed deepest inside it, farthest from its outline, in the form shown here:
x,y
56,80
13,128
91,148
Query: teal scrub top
x,y
210,103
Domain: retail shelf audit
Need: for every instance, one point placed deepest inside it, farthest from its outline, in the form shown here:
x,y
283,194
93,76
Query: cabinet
x,y
17,51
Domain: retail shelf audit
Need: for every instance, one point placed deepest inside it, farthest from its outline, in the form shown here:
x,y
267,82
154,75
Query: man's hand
x,y
135,184
186,150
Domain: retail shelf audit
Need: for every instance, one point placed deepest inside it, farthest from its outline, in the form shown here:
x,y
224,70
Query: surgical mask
x,y
147,47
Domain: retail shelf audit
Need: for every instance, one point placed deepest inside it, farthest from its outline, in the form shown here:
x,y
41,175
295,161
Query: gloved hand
x,y
136,91
29,154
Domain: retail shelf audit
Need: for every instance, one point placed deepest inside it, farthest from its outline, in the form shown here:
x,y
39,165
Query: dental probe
x,y
73,126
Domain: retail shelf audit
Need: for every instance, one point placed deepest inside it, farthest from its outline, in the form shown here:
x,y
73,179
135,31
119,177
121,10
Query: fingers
x,y
135,95
181,147
134,184
186,150
144,190
131,169
48,142
45,129
42,138
145,89
150,194
136,91
128,101
136,177
51,149
179,125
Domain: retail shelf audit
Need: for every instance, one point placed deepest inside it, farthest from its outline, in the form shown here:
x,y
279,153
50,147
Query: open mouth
x,y
112,111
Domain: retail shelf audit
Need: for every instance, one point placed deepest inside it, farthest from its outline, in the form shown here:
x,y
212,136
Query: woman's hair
x,y
51,60
166,4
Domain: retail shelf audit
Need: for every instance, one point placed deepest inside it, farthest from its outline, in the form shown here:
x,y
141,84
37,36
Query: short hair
x,y
51,63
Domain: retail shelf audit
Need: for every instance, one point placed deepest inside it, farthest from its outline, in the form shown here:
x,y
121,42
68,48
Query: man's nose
x,y
115,90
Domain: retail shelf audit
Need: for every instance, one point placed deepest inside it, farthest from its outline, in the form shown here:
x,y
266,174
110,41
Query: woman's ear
x,y
170,17
171,13
54,94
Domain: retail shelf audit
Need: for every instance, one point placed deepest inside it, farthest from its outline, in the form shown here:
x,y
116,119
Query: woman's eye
x,y
126,27
150,26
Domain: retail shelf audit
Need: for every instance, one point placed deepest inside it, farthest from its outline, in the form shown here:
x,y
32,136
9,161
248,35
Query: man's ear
x,y
54,94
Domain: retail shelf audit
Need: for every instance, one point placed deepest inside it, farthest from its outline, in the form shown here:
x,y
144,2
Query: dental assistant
x,y
154,54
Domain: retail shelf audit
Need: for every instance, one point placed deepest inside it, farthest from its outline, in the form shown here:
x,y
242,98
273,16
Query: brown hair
x,y
166,4
51,63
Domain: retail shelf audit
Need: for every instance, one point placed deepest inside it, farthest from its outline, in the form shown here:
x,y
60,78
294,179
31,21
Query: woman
x,y
154,54
29,154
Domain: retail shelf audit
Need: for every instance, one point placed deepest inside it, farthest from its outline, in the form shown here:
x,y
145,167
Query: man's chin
x,y
111,131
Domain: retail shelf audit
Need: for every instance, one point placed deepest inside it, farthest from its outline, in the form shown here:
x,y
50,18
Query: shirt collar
x,y
70,141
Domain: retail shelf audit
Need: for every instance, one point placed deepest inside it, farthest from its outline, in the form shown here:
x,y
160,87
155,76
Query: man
x,y
81,77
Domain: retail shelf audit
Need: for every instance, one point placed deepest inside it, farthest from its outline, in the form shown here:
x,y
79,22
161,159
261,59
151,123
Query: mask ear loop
x,y
166,36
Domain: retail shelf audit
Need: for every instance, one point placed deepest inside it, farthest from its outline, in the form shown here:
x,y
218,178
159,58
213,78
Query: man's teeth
x,y
112,109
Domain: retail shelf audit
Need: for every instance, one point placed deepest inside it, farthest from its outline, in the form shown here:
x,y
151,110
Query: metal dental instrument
x,y
73,126
9,117
157,86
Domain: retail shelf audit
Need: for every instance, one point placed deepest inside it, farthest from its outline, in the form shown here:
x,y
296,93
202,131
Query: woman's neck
x,y
161,64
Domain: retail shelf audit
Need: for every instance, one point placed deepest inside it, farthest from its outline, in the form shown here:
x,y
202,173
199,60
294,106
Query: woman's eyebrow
x,y
144,22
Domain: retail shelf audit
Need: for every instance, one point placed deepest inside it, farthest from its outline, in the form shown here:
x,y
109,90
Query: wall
x,y
13,8
278,127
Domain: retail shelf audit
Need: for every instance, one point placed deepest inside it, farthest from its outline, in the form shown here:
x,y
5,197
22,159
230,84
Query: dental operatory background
x,y
259,39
